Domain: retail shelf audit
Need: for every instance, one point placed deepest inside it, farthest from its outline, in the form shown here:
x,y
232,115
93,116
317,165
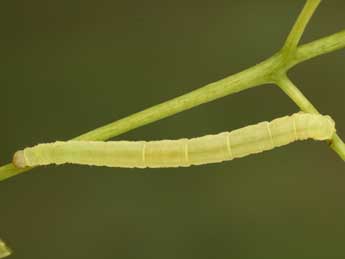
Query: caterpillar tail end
x,y
19,160
4,250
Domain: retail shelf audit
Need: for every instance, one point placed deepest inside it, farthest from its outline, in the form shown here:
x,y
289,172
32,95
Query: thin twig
x,y
319,47
298,29
305,105
254,76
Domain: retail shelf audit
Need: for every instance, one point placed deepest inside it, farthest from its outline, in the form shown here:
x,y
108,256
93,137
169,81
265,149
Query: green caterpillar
x,y
182,152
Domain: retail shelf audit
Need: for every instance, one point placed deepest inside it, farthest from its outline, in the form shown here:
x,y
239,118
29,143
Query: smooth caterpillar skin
x,y
182,152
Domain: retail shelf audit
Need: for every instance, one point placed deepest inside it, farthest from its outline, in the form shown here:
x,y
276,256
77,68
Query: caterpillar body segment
x,y
182,152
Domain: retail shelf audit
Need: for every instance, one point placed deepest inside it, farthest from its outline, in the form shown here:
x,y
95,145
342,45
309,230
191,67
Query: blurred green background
x,y
70,66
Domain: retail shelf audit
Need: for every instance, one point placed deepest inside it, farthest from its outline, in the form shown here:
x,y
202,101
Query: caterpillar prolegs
x,y
182,152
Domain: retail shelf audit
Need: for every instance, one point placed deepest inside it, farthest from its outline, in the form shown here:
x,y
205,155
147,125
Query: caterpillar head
x,y
19,159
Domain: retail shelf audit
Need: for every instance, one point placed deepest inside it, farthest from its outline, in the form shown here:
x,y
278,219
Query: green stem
x,y
271,70
9,170
305,105
248,78
254,76
298,29
338,146
295,94
319,47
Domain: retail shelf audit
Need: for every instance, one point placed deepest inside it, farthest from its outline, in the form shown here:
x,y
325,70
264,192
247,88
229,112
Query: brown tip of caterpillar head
x,y
19,159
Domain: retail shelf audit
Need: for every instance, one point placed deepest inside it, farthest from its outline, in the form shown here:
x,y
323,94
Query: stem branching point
x,y
272,70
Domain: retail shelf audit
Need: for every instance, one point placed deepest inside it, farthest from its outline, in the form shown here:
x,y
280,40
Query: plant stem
x,y
305,105
338,146
295,94
319,47
298,29
254,76
251,77
9,170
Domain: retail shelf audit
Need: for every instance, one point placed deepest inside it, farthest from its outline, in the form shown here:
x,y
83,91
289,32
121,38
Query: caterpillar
x,y
182,152
4,250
